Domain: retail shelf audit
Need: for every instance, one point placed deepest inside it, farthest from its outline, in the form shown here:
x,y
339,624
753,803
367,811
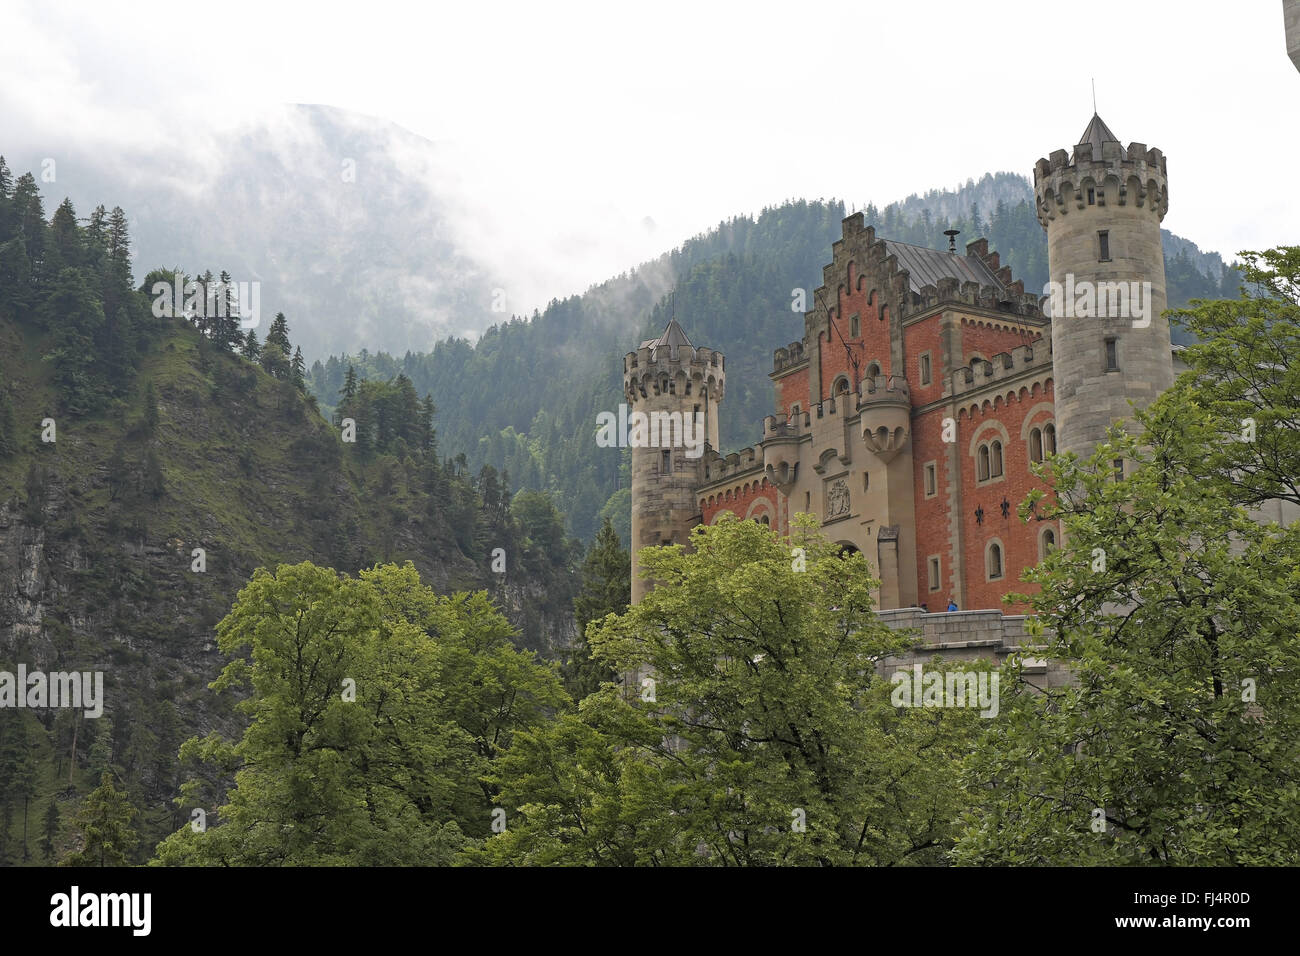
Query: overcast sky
x,y
606,134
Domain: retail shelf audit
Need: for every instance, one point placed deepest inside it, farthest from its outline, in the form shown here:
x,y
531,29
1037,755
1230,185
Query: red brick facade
x,y
970,354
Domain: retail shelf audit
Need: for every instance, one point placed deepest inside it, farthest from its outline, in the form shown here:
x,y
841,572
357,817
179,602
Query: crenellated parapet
x,y
1010,297
1135,176
682,370
1004,365
719,467
792,356
885,407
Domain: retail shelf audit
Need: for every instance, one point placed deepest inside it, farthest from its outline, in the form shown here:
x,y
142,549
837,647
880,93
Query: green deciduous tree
x,y
376,707
767,736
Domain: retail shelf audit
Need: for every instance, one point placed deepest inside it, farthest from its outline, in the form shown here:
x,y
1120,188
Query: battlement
x,y
719,467
682,370
1135,176
884,389
788,357
970,378
1011,298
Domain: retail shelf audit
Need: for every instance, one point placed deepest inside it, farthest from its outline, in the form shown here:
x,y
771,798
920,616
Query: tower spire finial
x,y
1094,96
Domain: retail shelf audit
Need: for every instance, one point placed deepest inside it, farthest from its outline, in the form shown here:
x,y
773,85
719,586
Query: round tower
x,y
1102,209
672,390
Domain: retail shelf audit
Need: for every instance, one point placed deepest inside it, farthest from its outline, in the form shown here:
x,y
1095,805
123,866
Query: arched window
x,y
1049,439
842,386
1036,445
982,459
995,561
765,521
1046,543
884,313
873,370
995,467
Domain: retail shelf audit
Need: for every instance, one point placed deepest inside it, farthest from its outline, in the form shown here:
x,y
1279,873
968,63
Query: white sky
x,y
572,124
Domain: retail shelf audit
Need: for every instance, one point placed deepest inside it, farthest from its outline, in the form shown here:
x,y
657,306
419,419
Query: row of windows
x,y
988,456
994,559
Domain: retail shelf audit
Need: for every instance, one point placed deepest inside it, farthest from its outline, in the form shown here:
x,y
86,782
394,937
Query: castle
x,y
925,384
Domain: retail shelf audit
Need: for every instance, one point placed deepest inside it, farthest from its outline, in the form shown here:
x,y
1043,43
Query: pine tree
x,y
105,825
606,589
299,369
278,335
252,349
50,829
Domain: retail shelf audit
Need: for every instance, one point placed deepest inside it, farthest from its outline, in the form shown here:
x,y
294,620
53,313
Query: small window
x,y
807,501
995,465
1112,354
666,462
1092,196
934,574
995,561
873,370
765,521
1035,445
842,387
925,368
931,480
1046,543
854,328
866,480
1118,464
1049,439
884,313
982,463
1103,246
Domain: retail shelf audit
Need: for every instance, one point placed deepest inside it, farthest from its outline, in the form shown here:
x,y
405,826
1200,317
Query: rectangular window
x,y
666,464
934,574
1112,354
925,368
1092,196
1103,244
1118,464
931,480
854,326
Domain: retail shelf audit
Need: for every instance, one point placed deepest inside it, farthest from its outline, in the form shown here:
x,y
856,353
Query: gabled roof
x,y
927,266
1096,133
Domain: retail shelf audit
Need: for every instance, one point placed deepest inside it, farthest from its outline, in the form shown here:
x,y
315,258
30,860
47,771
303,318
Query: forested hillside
x,y
525,396
149,464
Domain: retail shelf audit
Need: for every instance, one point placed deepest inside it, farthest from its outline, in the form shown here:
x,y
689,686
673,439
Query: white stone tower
x,y
666,380
1102,209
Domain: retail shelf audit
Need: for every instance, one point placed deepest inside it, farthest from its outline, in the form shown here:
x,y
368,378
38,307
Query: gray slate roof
x,y
927,266
674,337
1096,133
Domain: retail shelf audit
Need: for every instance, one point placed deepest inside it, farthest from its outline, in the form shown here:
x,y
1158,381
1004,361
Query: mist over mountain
x,y
349,223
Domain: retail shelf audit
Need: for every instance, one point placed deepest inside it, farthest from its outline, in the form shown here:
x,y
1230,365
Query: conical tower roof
x,y
674,337
1096,133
